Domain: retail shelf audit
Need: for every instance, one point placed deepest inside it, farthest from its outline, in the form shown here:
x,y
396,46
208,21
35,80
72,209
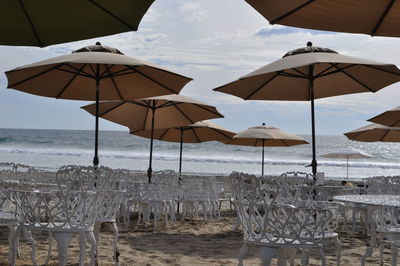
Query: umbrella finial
x,y
98,43
309,44
263,124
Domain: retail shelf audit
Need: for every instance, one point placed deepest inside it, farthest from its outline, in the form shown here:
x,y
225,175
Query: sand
x,y
189,242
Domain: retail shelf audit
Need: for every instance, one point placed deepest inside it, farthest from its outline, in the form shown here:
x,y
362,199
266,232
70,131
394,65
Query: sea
x,y
51,149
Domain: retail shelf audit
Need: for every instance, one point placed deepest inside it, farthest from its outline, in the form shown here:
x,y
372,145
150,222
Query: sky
x,y
214,42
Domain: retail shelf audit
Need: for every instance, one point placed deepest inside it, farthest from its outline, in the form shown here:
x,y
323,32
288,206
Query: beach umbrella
x,y
374,133
373,17
198,132
347,153
95,73
46,22
261,136
389,118
154,113
310,73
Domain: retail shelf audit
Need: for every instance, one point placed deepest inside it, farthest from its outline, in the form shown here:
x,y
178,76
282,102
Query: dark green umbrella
x,y
46,22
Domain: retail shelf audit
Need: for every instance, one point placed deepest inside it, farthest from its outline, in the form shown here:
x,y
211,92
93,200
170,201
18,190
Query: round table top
x,y
378,200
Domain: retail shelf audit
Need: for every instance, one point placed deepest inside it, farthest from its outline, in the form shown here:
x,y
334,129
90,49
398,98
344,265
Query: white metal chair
x,y
387,230
70,208
112,188
277,229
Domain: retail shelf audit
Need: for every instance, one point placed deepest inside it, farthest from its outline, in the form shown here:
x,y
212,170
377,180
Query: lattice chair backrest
x,y
389,185
72,205
192,189
266,221
335,207
165,177
20,172
112,185
387,218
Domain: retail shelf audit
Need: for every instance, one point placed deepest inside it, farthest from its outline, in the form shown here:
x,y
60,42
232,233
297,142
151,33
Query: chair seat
x,y
7,218
58,227
278,242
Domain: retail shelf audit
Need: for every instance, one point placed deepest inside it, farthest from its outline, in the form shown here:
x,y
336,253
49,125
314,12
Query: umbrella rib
x,y
211,111
113,108
182,113
164,133
93,70
356,80
195,134
155,81
273,21
123,72
70,81
107,70
34,76
331,65
378,24
384,135
31,23
259,88
114,83
303,75
383,70
323,74
146,105
220,132
85,74
130,27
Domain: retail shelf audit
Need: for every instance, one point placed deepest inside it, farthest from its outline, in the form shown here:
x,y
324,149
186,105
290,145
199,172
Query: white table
x,y
370,202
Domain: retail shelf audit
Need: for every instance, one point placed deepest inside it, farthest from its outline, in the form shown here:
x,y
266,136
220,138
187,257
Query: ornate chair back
x,y
265,221
71,206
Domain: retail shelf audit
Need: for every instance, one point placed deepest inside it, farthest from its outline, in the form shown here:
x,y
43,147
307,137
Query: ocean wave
x,y
143,155
6,139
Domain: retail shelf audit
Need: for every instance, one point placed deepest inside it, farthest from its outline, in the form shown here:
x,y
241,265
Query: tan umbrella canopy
x,y
154,113
261,136
46,22
198,132
347,153
310,73
389,118
375,132
95,73
373,17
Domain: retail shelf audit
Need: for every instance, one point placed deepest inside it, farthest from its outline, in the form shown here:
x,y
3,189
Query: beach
x,y
189,242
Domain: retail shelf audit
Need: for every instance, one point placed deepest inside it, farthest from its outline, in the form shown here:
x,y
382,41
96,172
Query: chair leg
x,y
93,247
82,248
242,253
338,251
12,255
116,252
304,257
394,253
369,250
63,239
322,256
28,236
49,249
381,248
96,233
267,253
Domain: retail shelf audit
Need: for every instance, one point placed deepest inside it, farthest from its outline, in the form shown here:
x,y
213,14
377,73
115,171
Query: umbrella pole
x,y
311,88
180,155
96,143
262,166
347,168
150,170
